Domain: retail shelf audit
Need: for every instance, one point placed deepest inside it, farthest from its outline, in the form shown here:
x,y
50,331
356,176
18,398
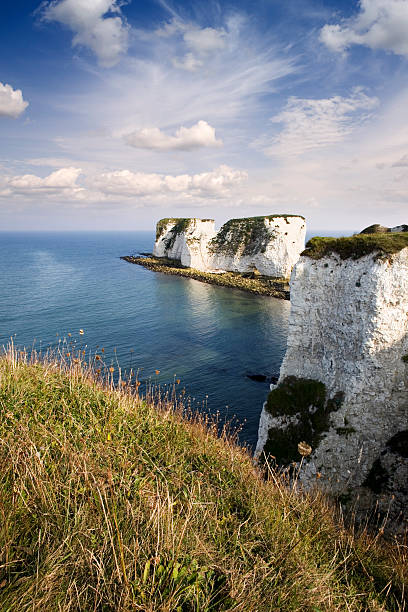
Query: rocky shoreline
x,y
260,285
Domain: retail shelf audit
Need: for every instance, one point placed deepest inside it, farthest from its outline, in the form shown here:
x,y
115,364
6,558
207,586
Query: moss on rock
x,y
247,236
376,228
180,226
305,402
355,247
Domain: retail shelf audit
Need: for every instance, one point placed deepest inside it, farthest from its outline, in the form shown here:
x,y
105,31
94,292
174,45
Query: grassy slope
x,y
112,503
354,247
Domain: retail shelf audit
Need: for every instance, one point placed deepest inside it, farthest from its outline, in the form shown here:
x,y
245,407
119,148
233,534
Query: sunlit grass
x,y
114,500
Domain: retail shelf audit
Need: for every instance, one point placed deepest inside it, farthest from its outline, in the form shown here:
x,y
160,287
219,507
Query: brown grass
x,y
114,502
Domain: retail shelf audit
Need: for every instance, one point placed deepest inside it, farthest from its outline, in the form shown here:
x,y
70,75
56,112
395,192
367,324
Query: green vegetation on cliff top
x,y
181,224
355,247
113,502
248,235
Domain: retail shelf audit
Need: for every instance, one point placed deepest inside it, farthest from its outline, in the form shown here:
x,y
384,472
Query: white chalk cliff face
x,y
271,245
343,385
185,240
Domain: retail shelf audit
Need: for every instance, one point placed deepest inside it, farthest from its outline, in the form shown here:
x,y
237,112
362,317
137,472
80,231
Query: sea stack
x,y
185,240
343,385
270,245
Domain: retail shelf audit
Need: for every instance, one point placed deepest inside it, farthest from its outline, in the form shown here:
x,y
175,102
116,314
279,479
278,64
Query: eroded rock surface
x,y
267,245
343,385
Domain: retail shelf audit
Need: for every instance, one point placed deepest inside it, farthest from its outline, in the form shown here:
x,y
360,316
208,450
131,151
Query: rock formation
x,y
270,245
343,385
185,240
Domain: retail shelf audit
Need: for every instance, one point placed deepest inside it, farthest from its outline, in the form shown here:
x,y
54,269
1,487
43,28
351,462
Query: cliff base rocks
x,y
278,288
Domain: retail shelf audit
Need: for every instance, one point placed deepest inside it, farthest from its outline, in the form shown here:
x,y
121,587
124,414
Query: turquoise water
x,y
209,337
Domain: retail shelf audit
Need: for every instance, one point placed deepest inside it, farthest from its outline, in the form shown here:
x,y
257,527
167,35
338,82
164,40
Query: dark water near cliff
x,y
209,337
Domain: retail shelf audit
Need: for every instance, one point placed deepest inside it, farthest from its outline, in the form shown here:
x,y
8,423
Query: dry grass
x,y
113,502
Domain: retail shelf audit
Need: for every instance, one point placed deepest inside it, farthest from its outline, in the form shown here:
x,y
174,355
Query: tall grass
x,y
110,501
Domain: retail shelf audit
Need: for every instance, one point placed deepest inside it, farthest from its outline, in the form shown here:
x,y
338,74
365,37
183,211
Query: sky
x,y
116,113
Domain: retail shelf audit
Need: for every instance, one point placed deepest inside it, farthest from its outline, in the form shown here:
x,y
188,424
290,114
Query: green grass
x,y
354,247
111,502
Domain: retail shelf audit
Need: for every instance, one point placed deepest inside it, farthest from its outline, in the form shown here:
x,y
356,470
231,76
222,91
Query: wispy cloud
x,y
12,103
380,24
97,24
197,43
310,124
146,98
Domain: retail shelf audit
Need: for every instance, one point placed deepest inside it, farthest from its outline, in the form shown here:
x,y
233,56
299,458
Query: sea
x,y
166,328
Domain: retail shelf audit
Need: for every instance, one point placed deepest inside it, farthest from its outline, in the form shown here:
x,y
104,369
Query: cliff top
x,y
376,228
270,217
355,247
98,481
181,224
248,234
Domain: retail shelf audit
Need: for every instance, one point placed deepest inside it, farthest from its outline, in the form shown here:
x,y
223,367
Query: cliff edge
x,y
344,379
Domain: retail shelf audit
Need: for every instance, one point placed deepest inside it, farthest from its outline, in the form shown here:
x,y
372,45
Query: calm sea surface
x,y
209,337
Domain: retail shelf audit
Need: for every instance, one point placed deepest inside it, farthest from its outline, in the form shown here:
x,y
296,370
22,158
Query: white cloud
x,y
62,184
198,43
189,62
97,24
11,102
380,24
186,139
205,40
216,183
310,124
121,185
230,93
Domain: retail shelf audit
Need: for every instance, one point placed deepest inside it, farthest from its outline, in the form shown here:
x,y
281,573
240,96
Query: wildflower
x,y
137,384
68,354
108,437
304,449
111,369
97,357
178,381
81,332
69,334
123,383
75,360
157,371
102,350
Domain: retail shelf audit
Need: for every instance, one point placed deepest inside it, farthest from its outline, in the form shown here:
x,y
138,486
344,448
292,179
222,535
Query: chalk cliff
x,y
271,245
343,385
185,240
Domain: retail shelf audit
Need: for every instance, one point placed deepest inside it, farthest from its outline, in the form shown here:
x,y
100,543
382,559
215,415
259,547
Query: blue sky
x,y
116,113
